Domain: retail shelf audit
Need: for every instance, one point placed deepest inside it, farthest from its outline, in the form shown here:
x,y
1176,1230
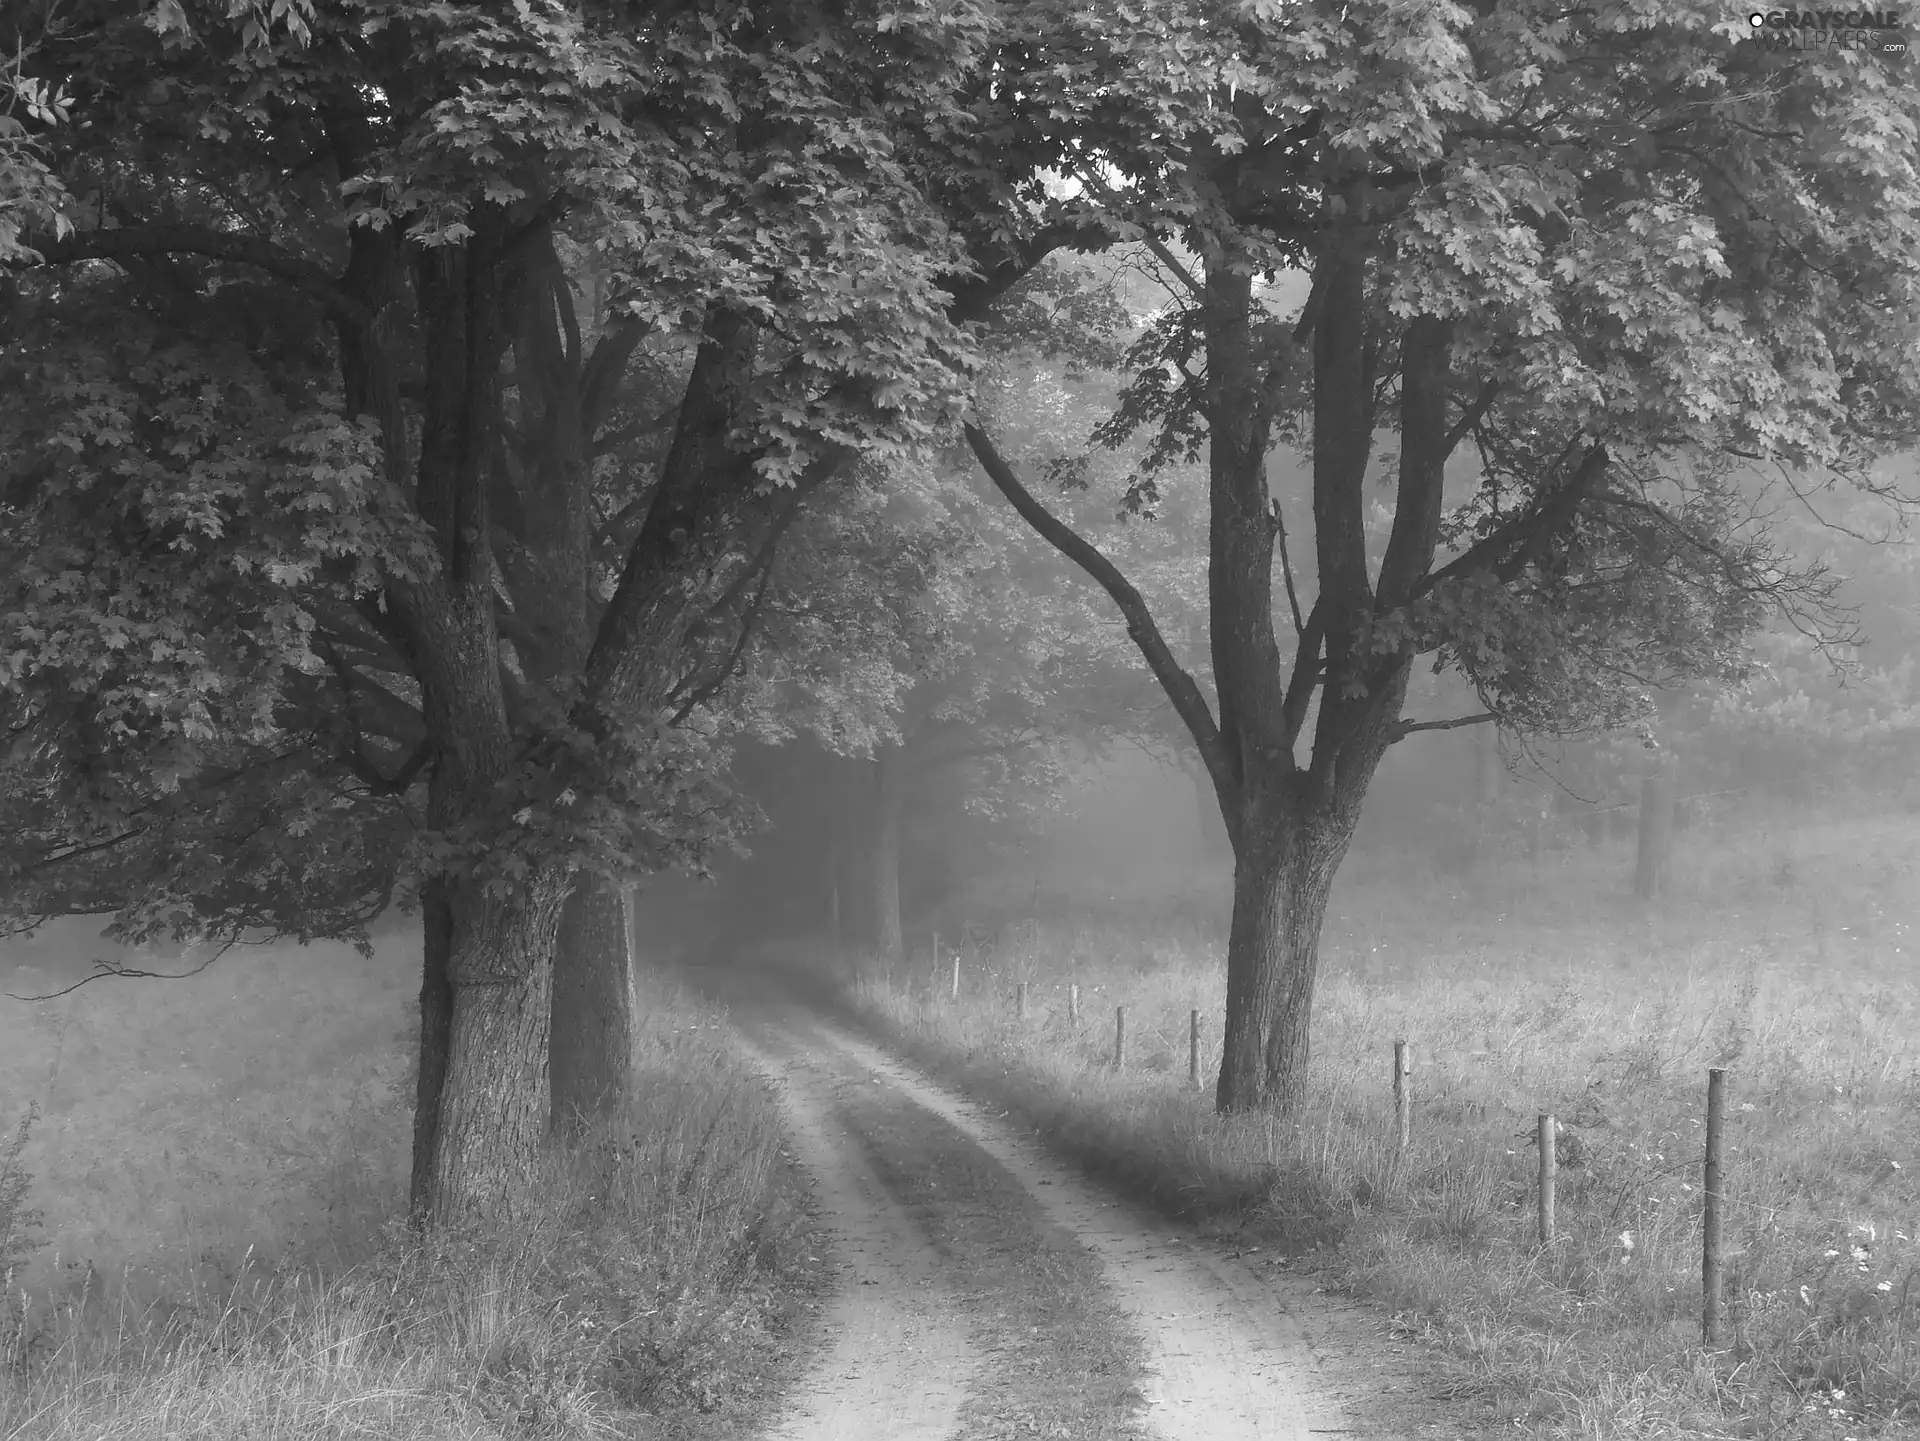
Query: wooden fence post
x,y
1403,1091
1713,1182
1020,1000
1073,1004
1119,1037
1193,1049
1548,1168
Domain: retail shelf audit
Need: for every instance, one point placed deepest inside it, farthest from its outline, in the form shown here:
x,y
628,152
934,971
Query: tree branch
x,y
604,367
161,239
1507,550
975,295
1423,458
73,852
103,969
1306,674
352,745
1471,417
1405,728
762,564
1179,686
705,692
1286,568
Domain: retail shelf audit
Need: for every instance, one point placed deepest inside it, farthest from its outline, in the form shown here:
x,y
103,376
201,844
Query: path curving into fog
x,y
918,1345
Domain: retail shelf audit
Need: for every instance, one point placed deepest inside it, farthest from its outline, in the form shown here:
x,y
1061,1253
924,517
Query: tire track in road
x,y
899,1362
1225,1360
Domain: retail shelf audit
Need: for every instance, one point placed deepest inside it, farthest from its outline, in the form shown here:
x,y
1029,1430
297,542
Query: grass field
x,y
1784,951
206,1248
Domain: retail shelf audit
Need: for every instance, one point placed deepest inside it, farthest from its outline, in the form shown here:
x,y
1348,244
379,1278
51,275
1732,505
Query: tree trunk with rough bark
x,y
591,1047
1253,968
1283,879
495,1104
887,779
485,1135
1306,886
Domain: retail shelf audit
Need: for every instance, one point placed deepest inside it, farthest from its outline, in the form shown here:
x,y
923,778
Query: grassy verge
x,y
1783,951
252,1285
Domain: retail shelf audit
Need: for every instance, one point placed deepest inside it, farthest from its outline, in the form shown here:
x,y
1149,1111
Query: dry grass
x,y
233,1148
1783,951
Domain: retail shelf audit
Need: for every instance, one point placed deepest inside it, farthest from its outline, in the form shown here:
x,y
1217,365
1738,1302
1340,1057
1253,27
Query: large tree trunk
x,y
1282,881
882,856
1254,964
494,1106
487,1136
1306,884
591,1049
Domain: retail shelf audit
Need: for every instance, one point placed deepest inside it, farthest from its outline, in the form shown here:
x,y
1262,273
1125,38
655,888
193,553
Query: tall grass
x,y
651,1294
1783,951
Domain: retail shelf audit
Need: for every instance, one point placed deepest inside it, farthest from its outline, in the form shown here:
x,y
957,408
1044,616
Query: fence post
x,y
1073,1004
1403,1091
1020,1000
1713,1180
956,975
1193,1049
1547,1170
1119,1037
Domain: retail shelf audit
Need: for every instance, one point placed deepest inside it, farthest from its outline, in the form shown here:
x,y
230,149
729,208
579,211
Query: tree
x,y
406,183
914,629
1607,251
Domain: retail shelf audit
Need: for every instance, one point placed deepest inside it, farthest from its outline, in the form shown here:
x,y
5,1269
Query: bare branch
x,y
707,690
76,851
1286,567
1511,545
159,239
1471,417
1307,672
1406,728
1179,686
103,969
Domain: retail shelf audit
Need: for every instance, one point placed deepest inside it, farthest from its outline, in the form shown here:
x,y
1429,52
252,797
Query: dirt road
x,y
989,1291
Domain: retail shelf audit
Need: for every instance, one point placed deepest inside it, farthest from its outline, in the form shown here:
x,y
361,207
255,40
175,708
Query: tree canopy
x,y
426,412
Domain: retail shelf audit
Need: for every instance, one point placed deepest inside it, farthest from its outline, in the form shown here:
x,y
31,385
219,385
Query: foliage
x,y
1644,306
236,161
174,519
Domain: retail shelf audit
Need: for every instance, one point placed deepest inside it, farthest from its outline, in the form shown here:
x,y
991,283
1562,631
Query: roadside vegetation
x,y
1782,949
214,1252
